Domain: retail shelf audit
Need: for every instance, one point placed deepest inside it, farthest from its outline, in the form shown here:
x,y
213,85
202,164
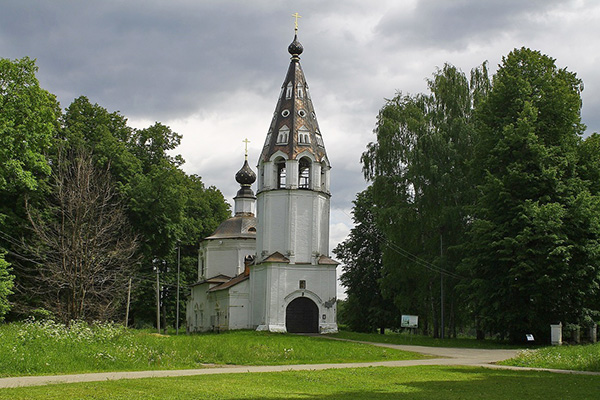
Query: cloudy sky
x,y
212,70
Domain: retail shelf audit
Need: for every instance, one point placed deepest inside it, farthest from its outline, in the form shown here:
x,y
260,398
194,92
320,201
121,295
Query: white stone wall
x,y
258,284
293,222
225,256
198,309
220,310
239,306
278,285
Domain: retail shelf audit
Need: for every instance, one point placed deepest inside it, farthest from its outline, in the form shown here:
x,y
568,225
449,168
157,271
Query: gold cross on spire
x,y
246,141
296,16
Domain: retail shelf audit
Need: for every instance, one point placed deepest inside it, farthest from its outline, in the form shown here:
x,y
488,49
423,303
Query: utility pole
x,y
441,292
128,303
177,313
157,301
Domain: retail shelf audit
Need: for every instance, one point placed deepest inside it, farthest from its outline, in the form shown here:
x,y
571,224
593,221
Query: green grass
x,y
46,348
418,340
432,383
578,358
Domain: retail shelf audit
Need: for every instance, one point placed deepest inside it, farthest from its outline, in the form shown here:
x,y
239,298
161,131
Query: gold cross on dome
x,y
246,141
296,16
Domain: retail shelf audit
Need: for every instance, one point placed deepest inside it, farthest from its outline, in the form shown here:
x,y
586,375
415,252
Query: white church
x,y
268,267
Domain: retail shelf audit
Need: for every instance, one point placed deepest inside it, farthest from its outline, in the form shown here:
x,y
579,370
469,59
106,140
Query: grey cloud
x,y
158,60
142,58
455,24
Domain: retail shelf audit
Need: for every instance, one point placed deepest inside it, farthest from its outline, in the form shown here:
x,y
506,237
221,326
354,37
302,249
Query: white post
x,y
556,334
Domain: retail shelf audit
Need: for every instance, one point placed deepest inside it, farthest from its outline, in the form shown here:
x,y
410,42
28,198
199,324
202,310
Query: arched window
x,y
281,173
282,137
261,178
319,139
304,174
303,136
300,91
202,265
288,91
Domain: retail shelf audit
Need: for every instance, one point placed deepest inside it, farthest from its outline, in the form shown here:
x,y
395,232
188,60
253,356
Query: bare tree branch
x,y
84,248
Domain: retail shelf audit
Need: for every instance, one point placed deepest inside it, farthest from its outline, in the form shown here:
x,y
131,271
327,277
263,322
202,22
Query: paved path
x,y
441,356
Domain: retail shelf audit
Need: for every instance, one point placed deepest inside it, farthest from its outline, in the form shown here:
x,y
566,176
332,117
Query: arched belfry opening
x,y
281,173
304,173
302,316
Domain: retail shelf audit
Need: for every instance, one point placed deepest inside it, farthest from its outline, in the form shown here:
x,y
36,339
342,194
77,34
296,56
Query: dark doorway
x,y
302,316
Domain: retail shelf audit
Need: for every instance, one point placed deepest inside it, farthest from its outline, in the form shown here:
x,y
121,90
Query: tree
x,y
165,207
6,284
419,166
85,251
365,309
533,246
106,135
28,120
589,165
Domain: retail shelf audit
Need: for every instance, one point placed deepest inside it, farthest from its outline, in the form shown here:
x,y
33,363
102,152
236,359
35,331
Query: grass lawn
x,y
579,358
418,340
361,383
46,348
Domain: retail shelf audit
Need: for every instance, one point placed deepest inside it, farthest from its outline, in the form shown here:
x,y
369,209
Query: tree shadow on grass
x,y
466,383
378,383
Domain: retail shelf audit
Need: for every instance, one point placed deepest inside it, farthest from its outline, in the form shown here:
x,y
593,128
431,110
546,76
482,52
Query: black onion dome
x,y
245,176
295,48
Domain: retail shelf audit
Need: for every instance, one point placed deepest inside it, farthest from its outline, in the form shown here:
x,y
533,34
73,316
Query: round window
x,y
302,113
285,113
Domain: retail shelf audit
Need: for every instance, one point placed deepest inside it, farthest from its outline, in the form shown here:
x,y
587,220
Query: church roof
x,y
277,257
294,128
219,279
232,282
245,176
240,226
324,260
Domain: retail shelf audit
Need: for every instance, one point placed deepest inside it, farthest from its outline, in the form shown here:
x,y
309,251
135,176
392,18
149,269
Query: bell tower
x,y
293,276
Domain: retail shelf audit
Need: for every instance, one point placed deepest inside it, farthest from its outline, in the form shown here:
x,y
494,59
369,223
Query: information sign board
x,y
409,321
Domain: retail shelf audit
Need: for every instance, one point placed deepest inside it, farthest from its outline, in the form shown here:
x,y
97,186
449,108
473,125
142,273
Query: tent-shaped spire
x,y
294,128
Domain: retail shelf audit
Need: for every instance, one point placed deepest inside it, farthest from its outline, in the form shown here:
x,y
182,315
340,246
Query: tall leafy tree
x,y
107,135
365,309
28,121
533,244
419,166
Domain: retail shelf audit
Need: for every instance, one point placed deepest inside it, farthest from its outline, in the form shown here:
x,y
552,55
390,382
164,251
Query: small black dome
x,y
245,176
295,48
